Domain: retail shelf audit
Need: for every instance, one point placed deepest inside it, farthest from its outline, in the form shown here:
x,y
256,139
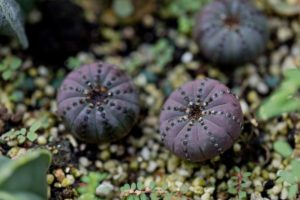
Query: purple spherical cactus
x,y
231,32
98,103
200,120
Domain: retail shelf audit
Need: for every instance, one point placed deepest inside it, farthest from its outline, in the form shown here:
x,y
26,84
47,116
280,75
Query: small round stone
x,y
205,129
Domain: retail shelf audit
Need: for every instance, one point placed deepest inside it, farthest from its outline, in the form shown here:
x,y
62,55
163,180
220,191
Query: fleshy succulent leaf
x,y
11,20
15,176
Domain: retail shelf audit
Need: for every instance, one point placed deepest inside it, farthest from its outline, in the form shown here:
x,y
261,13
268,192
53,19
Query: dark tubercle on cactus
x,y
231,32
200,120
98,103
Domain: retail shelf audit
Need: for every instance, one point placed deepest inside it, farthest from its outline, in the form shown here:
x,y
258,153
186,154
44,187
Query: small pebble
x,y
104,189
69,180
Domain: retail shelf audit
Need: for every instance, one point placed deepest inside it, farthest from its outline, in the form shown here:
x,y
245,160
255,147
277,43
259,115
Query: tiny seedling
x,y
73,63
138,191
156,57
183,11
9,66
238,184
291,176
87,189
24,133
284,99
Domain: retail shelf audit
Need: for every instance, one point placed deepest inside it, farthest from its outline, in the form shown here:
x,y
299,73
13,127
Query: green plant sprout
x,y
284,99
155,56
184,10
123,8
90,182
138,191
24,133
73,63
9,66
25,177
291,176
238,184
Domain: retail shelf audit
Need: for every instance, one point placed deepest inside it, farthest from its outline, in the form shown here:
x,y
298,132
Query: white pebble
x,y
104,189
145,153
187,57
152,166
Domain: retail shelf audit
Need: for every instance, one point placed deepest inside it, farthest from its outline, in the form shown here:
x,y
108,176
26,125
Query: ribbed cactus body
x,y
231,32
98,103
200,120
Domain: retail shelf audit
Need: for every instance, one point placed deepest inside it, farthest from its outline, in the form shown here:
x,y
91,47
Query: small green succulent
x,y
291,176
238,184
283,100
25,177
138,191
90,181
183,11
8,66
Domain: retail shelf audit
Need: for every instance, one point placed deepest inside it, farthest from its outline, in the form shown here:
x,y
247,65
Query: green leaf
x,y
87,196
123,8
232,182
92,180
185,24
32,136
236,169
19,196
242,195
136,198
293,190
17,96
283,99
133,186
140,186
21,139
143,197
244,185
287,176
6,75
130,197
73,63
126,187
152,185
13,21
3,67
283,148
15,63
22,131
232,190
165,186
296,168
247,174
31,166
153,196
35,126
168,196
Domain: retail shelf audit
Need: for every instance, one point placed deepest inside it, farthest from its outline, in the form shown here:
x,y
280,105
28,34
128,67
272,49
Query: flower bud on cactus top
x,y
231,32
200,120
98,103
